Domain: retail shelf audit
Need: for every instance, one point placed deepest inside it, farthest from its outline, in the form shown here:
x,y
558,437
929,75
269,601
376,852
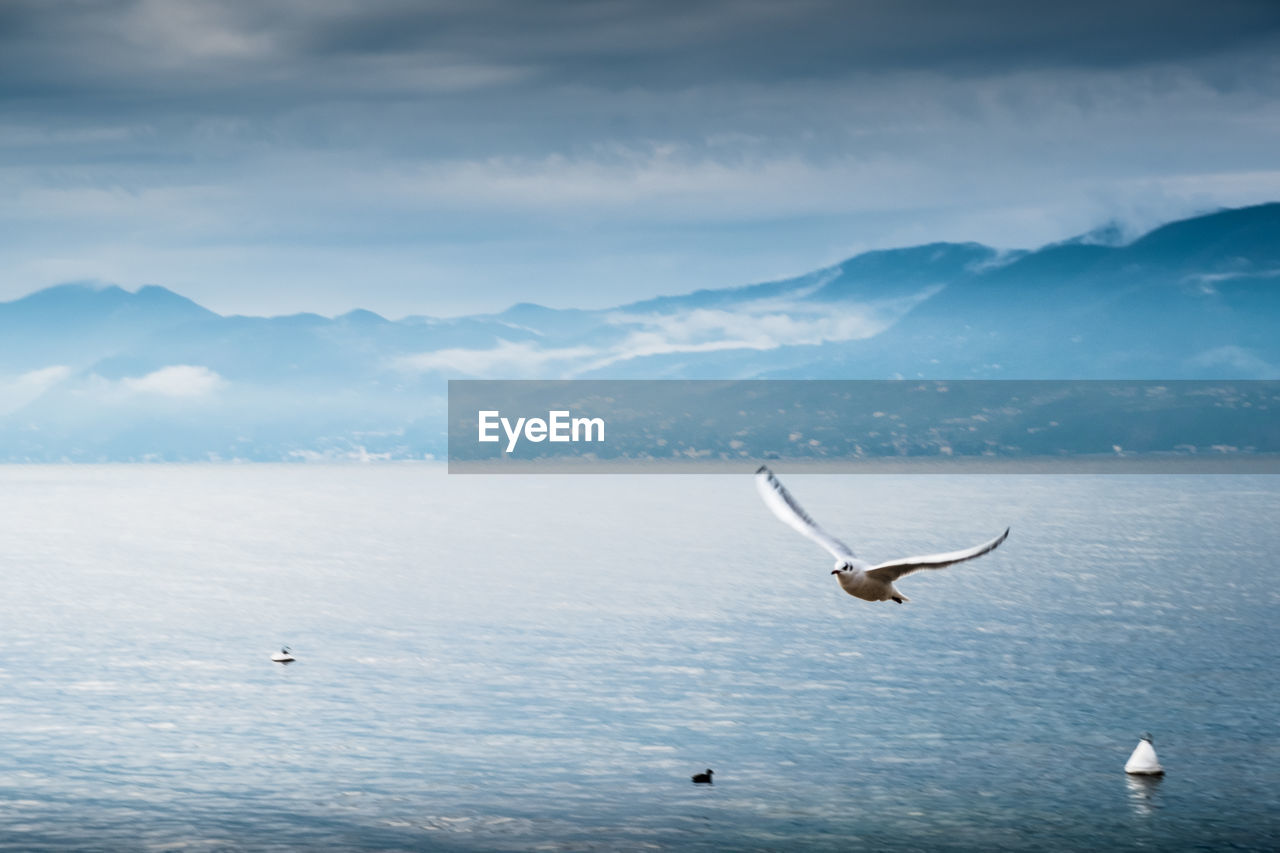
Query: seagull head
x,y
840,567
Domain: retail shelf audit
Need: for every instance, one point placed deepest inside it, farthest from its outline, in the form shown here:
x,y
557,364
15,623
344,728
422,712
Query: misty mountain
x,y
90,372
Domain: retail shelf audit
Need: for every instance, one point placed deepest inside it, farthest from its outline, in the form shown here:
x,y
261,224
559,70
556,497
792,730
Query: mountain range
x,y
98,373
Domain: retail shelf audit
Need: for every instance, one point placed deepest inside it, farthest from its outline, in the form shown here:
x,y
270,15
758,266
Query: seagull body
x,y
858,577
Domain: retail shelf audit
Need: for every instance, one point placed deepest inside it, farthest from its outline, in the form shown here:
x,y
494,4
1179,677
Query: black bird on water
x,y
703,778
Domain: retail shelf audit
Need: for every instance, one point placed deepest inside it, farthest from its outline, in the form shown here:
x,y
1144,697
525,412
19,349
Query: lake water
x,y
540,663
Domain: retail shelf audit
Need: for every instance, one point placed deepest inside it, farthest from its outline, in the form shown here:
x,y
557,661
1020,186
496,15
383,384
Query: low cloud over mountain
x,y
89,372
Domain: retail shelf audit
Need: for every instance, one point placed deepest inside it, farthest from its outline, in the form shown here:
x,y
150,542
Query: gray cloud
x,y
389,49
456,156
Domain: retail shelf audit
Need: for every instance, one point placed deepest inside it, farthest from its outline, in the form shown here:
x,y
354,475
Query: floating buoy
x,y
283,656
1143,761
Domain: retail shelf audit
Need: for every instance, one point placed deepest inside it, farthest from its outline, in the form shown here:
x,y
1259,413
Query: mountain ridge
x,y
91,371
1264,218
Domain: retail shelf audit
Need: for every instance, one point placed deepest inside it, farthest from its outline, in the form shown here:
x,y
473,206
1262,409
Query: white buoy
x,y
1143,761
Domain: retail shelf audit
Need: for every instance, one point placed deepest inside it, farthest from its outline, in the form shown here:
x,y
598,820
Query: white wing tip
x,y
998,541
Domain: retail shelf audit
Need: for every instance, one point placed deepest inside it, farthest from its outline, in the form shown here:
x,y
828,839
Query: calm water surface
x,y
539,663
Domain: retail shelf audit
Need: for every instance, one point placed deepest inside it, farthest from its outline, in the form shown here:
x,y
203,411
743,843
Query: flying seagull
x,y
858,577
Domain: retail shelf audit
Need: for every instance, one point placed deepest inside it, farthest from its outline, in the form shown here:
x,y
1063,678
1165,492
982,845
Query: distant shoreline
x,y
1095,464
1239,463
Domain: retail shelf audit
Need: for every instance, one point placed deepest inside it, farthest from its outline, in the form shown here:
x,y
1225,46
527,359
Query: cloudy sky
x,y
450,156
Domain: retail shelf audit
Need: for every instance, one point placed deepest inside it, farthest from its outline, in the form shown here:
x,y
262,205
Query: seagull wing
x,y
895,569
778,499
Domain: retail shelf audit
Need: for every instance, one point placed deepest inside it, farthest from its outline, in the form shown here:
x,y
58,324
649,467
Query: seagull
x,y
283,656
858,577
